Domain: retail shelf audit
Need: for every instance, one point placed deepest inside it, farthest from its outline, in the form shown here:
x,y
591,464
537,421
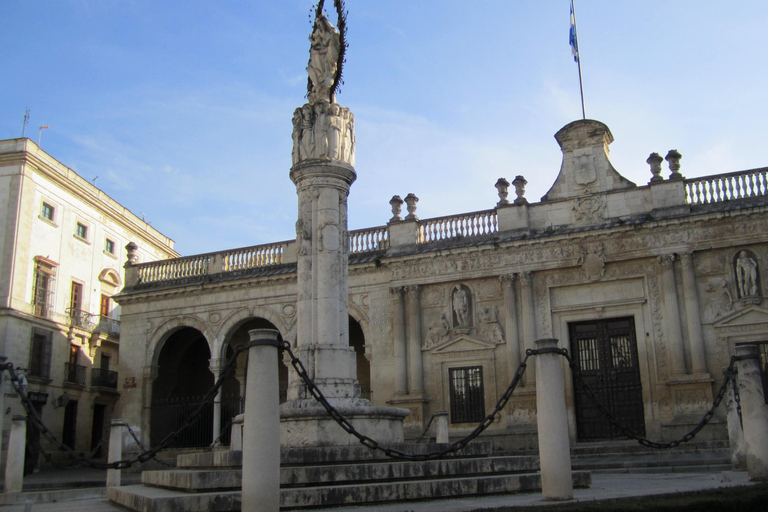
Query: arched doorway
x,y
183,378
357,342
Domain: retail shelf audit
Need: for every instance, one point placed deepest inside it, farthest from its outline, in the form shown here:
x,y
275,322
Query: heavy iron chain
x,y
631,434
391,452
426,429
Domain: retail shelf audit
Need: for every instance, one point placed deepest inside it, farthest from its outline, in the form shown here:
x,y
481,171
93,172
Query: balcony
x,y
103,378
80,319
108,326
74,374
94,323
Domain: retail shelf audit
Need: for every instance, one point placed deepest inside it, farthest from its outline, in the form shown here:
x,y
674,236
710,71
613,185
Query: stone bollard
x,y
441,426
115,452
14,464
236,436
261,433
554,443
735,433
753,414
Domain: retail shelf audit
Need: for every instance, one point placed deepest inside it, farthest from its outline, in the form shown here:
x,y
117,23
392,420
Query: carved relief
x,y
592,262
719,300
438,333
489,327
324,131
589,208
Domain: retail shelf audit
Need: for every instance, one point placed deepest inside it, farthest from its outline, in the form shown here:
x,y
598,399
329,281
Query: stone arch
x,y
234,320
360,317
110,277
165,330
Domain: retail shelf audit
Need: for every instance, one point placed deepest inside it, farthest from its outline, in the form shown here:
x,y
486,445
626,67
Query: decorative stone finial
x,y
410,201
397,206
502,186
133,255
655,162
673,157
519,182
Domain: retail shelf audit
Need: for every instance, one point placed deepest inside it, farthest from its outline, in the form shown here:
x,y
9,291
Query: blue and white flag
x,y
572,37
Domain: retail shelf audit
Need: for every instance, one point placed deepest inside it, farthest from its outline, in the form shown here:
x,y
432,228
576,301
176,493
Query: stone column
x,y
753,413
415,370
552,419
261,434
693,316
400,345
3,359
215,366
735,432
673,332
510,325
441,427
14,463
529,322
115,452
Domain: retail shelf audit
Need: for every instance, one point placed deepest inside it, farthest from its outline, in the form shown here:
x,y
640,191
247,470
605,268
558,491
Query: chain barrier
x,y
426,429
391,452
631,434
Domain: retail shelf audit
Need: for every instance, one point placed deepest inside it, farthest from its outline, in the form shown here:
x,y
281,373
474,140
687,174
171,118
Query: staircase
x,y
335,476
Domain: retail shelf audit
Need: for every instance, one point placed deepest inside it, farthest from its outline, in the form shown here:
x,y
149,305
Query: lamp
x,y
62,401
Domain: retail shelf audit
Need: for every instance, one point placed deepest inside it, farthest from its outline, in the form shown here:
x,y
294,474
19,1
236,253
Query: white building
x,y
61,260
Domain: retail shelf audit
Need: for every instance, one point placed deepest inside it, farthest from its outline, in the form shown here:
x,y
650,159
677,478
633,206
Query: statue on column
x,y
323,60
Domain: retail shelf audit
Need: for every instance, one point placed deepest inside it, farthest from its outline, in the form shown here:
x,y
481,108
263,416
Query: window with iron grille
x,y
467,395
45,275
40,354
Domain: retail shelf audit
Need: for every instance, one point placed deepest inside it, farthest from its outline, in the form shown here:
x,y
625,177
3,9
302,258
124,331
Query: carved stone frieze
x,y
589,208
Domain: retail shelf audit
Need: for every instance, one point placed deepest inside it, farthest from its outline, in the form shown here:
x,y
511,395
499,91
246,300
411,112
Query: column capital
x,y
526,278
397,292
508,280
413,289
666,260
686,259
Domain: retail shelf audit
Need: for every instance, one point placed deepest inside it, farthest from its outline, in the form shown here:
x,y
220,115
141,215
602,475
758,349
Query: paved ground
x,y
604,486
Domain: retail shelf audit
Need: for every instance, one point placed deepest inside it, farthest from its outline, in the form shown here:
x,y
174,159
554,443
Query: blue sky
x,y
183,108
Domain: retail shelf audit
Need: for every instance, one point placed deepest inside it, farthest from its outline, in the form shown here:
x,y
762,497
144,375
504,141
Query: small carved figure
x,y
491,329
323,59
335,129
438,331
296,135
461,306
321,130
307,146
746,275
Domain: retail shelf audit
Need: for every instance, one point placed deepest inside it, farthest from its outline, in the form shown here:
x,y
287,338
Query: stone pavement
x,y
604,486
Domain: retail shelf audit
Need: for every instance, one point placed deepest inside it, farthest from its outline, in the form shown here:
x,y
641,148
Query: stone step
x,y
154,499
667,461
605,448
325,455
219,479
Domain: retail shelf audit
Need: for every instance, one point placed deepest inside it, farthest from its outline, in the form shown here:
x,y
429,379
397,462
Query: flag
x,y
572,37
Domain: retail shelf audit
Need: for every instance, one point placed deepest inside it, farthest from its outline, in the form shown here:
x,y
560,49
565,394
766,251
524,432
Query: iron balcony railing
x,y
81,319
74,374
103,378
93,323
108,326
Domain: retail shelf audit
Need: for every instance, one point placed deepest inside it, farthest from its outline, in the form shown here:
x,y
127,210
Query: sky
x,y
181,110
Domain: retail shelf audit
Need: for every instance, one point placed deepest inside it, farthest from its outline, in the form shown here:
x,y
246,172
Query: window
x,y
47,211
40,354
81,231
105,305
109,246
76,297
45,275
467,395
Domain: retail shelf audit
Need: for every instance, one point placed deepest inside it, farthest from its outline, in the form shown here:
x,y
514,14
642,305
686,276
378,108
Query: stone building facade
x,y
60,264
649,288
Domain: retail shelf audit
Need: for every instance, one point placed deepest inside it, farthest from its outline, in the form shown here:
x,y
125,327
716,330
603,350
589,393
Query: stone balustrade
x,y
368,239
254,256
727,187
466,225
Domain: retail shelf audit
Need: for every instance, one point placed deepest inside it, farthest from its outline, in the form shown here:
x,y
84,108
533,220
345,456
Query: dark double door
x,y
606,352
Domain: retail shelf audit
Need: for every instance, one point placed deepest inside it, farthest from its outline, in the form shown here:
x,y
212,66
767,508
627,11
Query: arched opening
x,y
233,386
357,342
183,378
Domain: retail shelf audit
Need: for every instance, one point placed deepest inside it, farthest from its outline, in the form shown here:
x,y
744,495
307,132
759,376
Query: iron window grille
x,y
467,394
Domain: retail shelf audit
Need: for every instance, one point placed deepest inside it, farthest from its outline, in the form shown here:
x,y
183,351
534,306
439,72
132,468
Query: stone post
x,y
14,463
673,332
131,275
415,373
261,433
400,344
529,321
735,433
552,420
115,452
693,316
753,413
236,437
215,366
441,427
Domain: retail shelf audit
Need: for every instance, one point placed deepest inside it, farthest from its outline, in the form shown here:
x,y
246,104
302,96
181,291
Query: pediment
x,y
463,343
752,316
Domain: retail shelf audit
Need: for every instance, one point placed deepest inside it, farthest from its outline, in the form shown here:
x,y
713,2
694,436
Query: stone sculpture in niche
x,y
746,275
489,328
462,306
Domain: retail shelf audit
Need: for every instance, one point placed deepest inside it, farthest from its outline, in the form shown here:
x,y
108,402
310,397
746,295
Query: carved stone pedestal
x,y
691,398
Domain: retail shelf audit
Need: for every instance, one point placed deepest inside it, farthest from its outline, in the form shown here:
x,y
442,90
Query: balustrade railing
x,y
253,257
108,326
368,239
166,270
466,225
727,187
81,319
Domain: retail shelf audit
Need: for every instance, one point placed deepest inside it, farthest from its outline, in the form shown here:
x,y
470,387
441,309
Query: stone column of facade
x,y
735,433
3,359
552,418
693,316
529,321
673,332
753,413
400,345
215,366
510,325
261,434
14,462
415,370
115,452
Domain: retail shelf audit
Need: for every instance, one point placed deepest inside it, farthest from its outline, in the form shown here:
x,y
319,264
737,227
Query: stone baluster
x,y
400,343
529,321
693,316
673,332
753,413
415,371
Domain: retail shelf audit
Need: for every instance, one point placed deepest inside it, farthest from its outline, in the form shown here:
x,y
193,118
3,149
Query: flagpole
x,y
578,61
